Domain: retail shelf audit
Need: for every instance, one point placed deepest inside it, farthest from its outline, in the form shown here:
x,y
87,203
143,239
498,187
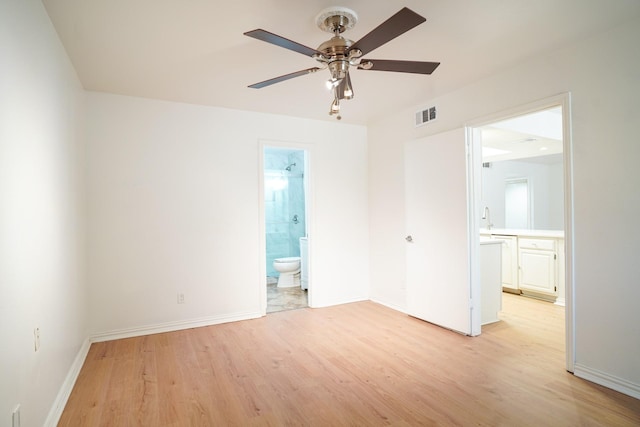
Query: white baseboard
x,y
67,386
334,303
391,306
171,326
609,381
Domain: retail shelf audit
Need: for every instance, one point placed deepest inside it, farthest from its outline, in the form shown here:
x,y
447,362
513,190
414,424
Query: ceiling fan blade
x,y
398,24
284,77
416,67
268,37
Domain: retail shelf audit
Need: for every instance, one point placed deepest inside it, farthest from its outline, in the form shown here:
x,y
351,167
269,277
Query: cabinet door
x,y
509,261
537,271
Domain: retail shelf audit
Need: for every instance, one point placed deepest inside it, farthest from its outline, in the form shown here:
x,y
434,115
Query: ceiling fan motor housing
x,y
336,51
339,69
337,45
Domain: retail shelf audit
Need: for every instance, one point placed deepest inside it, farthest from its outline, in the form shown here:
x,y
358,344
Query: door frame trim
x,y
475,161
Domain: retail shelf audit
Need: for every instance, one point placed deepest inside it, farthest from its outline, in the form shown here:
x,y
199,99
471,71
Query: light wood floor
x,y
358,364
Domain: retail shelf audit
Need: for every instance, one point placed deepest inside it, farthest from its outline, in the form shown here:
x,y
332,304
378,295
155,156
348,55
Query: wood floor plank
x,y
354,364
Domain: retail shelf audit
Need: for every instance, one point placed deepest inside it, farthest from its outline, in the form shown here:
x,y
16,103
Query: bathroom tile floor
x,y
280,299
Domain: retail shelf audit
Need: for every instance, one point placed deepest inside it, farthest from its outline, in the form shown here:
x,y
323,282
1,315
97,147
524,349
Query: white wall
x,y
173,206
556,197
41,219
601,74
545,187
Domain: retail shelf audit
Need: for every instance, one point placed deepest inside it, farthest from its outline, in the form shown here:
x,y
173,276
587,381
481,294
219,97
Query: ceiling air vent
x,y
425,116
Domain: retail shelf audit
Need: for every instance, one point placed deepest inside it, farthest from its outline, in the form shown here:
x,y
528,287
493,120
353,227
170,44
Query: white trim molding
x,y
171,326
607,380
391,306
67,386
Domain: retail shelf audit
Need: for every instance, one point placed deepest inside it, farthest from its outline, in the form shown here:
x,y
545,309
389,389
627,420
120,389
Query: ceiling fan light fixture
x,y
333,82
348,90
335,106
339,69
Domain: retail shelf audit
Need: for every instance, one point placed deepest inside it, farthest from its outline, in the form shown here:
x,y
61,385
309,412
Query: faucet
x,y
487,216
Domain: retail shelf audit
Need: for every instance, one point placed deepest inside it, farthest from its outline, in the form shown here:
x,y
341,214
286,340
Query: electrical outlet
x,y
15,417
180,298
36,339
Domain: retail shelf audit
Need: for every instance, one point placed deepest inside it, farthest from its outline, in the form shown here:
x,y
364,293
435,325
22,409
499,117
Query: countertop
x,y
524,233
488,241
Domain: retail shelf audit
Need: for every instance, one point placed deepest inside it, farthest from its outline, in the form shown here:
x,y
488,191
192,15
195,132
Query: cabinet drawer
x,y
541,244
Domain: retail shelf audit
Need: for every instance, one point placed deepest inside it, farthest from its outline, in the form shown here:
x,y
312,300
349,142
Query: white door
x,y
438,247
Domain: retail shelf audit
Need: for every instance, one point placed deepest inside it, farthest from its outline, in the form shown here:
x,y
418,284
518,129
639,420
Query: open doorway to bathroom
x,y
285,227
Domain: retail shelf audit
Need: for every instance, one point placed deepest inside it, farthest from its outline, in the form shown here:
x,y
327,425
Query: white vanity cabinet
x,y
532,262
509,262
490,272
538,265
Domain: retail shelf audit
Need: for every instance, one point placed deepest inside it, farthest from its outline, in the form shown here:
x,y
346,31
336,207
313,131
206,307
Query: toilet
x,y
289,269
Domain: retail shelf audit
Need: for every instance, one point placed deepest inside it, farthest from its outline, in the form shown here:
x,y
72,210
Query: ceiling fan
x,y
338,53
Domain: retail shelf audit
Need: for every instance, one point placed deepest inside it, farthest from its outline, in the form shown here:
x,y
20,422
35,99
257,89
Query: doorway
x,y
521,172
284,219
517,212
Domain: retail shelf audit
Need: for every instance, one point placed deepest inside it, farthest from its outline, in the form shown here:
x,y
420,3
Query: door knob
x,y
409,238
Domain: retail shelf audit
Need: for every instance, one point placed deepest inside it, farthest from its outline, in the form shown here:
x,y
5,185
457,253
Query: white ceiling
x,y
535,135
194,51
